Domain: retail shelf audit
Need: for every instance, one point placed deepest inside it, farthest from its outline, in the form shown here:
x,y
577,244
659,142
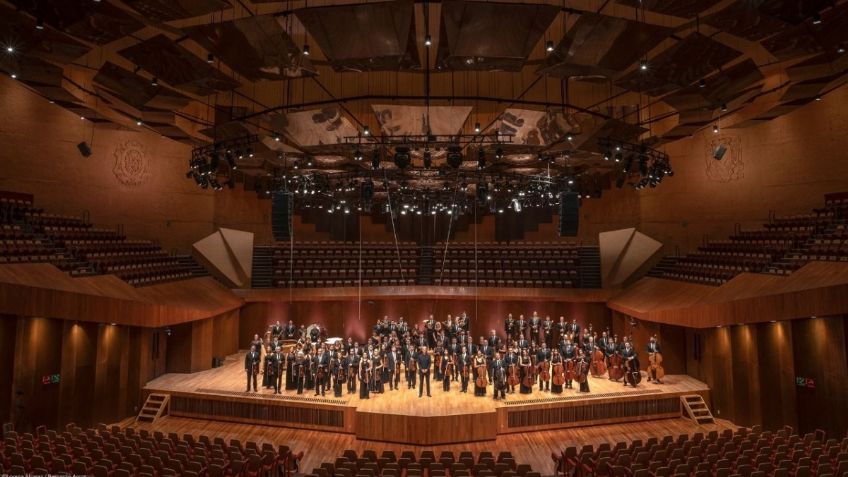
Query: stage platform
x,y
400,416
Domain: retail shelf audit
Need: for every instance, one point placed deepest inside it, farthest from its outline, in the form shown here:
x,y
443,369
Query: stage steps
x,y
697,409
155,407
590,267
425,266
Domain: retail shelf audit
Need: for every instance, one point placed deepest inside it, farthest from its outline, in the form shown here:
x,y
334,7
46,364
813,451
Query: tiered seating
x,y
781,246
527,264
30,235
744,453
116,452
328,264
412,464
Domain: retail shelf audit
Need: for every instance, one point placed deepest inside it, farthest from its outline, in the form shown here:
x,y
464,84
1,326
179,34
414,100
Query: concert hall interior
x,y
424,238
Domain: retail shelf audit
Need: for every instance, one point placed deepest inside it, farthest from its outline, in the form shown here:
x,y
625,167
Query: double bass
x,y
598,367
616,371
631,375
558,374
482,376
656,370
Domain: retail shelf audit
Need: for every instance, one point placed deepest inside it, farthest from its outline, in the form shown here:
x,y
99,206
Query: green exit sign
x,y
803,382
50,379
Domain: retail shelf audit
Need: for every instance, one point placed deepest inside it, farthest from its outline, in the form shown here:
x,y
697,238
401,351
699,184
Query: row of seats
x,y
346,273
507,273
366,282
744,453
343,263
120,452
490,282
534,264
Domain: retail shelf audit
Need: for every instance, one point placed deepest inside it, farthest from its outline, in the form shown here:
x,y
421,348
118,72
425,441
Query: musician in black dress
x,y
569,353
353,360
410,360
463,362
446,366
377,372
423,363
364,375
291,358
525,369
303,364
251,367
544,355
499,376
336,367
582,367
277,362
479,364
510,360
556,359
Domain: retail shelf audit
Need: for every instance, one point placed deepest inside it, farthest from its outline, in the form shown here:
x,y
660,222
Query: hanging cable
x,y
392,216
476,268
359,274
291,252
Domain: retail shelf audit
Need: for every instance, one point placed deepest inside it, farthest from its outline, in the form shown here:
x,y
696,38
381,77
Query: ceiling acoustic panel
x,y
317,127
677,8
747,20
490,36
406,120
95,22
177,66
809,38
18,30
679,66
257,48
136,91
536,129
365,37
600,46
167,10
722,87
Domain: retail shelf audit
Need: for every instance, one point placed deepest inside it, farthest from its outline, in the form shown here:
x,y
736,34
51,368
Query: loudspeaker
x,y
217,361
281,216
719,152
569,214
84,149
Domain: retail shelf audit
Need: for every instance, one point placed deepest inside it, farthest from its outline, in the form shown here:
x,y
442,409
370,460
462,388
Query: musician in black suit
x,y
411,358
276,330
653,347
511,359
251,367
353,370
276,370
494,340
574,328
499,376
423,371
488,354
290,331
463,362
544,354
628,353
392,360
469,346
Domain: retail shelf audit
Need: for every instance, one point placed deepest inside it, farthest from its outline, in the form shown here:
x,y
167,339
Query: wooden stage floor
x,y
401,416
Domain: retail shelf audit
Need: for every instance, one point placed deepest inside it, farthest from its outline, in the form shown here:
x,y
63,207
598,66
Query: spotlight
x,y
306,49
428,40
817,18
10,49
618,157
702,83
375,160
277,137
643,65
138,122
549,46
366,131
481,158
39,24
723,107
210,58
818,97
428,159
14,76
499,154
569,138
357,155
715,128
154,81
607,155
477,127
841,48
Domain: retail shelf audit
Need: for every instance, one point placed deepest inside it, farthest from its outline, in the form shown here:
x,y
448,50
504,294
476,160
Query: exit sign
x,y
803,382
50,379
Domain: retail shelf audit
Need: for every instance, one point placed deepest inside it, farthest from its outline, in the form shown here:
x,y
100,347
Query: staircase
x,y
191,264
697,409
590,267
155,407
425,266
263,267
666,263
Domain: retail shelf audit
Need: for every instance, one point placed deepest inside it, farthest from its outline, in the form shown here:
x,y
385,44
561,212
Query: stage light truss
x,y
206,161
426,141
651,165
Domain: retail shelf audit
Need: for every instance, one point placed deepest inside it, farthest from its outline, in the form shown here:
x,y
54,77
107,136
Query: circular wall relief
x,y
730,167
131,163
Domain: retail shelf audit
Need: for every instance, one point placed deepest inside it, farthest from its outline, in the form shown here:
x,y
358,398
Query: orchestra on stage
x,y
526,354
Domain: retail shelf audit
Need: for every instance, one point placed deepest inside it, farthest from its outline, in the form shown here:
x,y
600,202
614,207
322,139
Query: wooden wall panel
x,y
776,375
179,349
746,383
79,359
38,353
819,353
8,325
673,341
111,368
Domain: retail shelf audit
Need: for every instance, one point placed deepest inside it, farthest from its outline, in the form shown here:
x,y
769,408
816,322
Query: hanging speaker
x,y
569,214
84,149
719,152
281,216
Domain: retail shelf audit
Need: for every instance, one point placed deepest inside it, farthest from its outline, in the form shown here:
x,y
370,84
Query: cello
x,y
513,379
598,367
529,378
482,376
631,375
569,369
558,374
615,370
656,370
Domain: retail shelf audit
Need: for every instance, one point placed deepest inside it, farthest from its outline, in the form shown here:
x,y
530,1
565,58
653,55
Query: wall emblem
x,y
730,167
131,163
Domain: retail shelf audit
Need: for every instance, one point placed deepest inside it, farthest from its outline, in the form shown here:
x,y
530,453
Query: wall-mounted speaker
x,y
569,214
84,149
281,216
719,152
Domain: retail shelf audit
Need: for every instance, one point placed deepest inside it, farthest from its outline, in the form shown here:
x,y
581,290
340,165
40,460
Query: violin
x,y
558,371
482,376
656,369
615,369
599,367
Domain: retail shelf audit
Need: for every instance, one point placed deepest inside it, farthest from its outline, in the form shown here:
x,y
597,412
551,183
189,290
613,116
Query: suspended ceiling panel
x,y
678,8
364,37
722,87
315,127
679,66
177,66
808,38
167,10
490,36
95,22
18,30
536,128
747,20
405,120
136,91
257,48
601,46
